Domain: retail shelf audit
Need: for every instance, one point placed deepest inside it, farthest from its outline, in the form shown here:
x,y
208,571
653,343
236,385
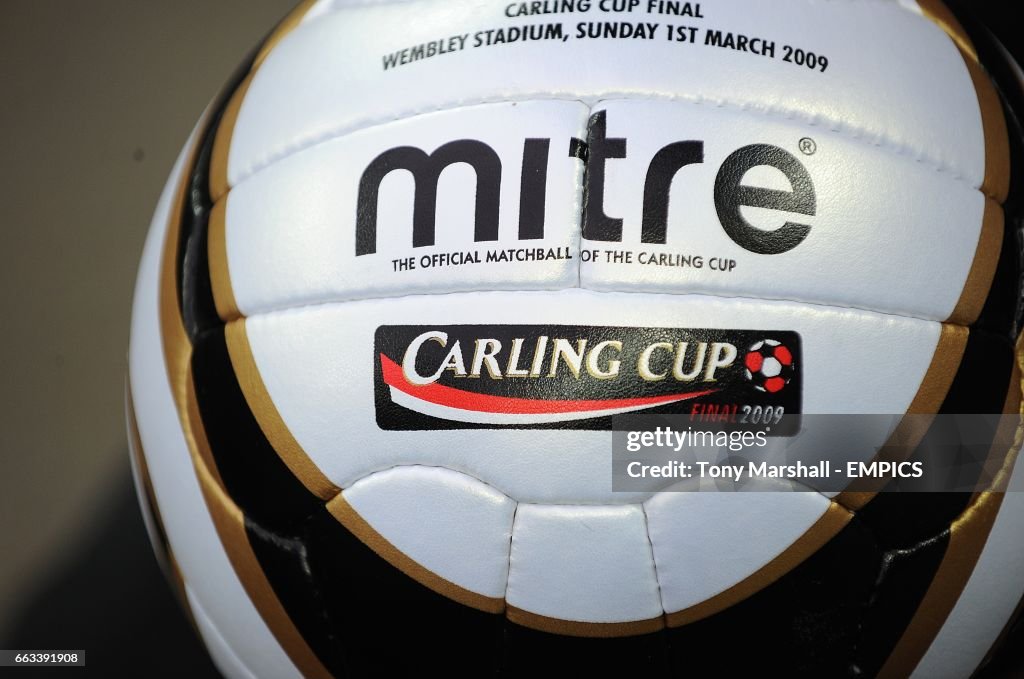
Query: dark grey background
x,y
96,99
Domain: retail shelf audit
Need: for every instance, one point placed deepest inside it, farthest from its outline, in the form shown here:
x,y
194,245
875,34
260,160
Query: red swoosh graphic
x,y
486,403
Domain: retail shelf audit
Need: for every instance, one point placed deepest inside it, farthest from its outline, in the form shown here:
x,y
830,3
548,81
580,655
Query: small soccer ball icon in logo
x,y
769,366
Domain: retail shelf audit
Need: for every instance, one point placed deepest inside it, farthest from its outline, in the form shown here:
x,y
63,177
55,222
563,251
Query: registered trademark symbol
x,y
808,146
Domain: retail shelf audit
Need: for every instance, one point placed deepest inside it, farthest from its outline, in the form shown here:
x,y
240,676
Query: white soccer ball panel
x,y
771,367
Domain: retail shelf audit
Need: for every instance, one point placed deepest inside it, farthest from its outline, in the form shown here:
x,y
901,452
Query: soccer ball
x,y
417,257
769,365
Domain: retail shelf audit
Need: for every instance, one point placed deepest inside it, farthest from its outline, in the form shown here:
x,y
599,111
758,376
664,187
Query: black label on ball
x,y
578,377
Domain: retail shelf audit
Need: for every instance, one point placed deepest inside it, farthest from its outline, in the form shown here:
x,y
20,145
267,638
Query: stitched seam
x,y
687,295
652,494
654,562
511,538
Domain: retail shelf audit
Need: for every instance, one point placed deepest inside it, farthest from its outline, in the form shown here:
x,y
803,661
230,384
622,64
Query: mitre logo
x,y
731,194
563,376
